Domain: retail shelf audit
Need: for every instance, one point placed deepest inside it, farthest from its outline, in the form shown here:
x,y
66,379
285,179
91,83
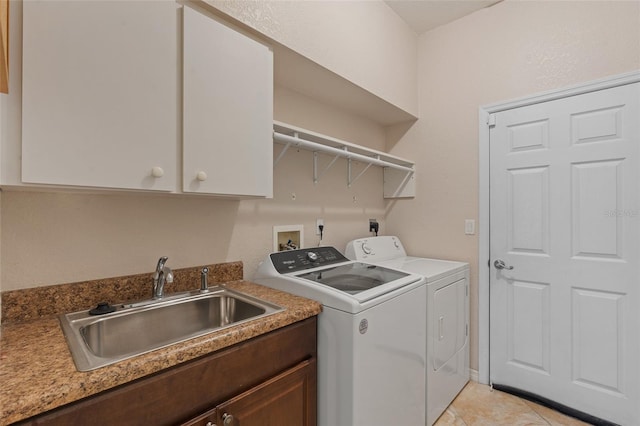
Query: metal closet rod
x,y
315,146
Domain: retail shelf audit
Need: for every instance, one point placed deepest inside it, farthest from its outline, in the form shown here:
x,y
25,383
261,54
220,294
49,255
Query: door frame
x,y
484,270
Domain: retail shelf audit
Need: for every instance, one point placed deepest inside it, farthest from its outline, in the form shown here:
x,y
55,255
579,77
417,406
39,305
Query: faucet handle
x,y
204,285
168,274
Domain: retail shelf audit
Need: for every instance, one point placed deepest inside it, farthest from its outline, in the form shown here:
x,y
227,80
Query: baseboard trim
x,y
473,375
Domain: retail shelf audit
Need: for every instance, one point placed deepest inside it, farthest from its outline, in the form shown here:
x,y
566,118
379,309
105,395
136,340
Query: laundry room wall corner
x,y
510,50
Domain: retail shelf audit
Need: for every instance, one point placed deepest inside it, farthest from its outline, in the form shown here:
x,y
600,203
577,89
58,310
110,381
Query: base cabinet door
x,y
286,400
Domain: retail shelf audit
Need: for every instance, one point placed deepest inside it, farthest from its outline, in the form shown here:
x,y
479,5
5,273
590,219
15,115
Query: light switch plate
x,y
469,227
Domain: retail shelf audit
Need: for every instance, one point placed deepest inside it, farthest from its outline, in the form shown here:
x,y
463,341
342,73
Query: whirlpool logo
x,y
364,326
621,213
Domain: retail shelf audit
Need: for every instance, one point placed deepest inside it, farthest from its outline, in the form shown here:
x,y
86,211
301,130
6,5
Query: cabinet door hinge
x,y
491,120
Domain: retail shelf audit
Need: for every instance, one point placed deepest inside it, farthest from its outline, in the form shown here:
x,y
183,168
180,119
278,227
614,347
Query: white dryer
x,y
447,315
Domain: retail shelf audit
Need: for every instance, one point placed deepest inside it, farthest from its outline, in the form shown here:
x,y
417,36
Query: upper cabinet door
x,y
100,94
227,110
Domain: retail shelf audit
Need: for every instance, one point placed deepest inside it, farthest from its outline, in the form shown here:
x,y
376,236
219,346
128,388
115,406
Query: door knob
x,y
499,264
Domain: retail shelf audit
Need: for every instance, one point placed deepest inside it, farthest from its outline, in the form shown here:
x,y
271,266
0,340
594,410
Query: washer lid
x,y
324,274
362,283
354,278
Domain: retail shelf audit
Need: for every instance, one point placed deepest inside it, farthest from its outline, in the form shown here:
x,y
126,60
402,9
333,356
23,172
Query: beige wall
x,y
510,50
51,238
363,41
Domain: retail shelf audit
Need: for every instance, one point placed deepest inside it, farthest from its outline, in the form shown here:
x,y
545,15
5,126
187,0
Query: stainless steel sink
x,y
137,328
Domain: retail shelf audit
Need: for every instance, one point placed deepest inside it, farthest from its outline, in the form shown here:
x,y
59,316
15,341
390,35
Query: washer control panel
x,y
298,260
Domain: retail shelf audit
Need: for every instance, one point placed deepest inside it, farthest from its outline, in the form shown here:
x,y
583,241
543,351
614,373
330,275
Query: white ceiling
x,y
424,15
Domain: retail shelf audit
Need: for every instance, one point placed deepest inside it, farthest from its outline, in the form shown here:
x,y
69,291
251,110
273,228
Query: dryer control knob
x,y
366,249
312,256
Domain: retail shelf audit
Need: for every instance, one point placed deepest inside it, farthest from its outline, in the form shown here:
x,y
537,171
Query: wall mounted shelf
x,y
399,173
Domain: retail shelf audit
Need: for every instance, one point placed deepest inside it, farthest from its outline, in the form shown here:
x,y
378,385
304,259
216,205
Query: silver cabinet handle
x,y
499,264
227,419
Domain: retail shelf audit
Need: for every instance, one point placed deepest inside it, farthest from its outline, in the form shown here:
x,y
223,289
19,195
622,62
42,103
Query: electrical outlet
x,y
318,223
373,225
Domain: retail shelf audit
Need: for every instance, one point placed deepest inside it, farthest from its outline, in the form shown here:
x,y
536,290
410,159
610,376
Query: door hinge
x,y
466,330
491,120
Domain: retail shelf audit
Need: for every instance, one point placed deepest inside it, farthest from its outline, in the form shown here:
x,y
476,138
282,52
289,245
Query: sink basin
x,y
137,328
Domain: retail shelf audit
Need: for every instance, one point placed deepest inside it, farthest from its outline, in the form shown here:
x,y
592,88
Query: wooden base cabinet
x,y
267,380
281,401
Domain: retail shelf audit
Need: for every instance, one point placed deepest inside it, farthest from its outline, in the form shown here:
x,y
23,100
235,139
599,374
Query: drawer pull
x,y
227,419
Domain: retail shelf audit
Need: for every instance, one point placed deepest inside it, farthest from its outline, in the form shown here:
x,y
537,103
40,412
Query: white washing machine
x,y
371,335
447,315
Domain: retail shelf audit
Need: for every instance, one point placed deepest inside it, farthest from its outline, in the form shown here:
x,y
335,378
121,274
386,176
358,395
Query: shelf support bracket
x,y
351,181
284,151
316,175
398,172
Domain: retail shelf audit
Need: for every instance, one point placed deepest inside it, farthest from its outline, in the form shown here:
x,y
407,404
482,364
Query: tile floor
x,y
478,405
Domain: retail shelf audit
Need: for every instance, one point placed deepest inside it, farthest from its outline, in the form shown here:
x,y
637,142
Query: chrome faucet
x,y
204,284
162,275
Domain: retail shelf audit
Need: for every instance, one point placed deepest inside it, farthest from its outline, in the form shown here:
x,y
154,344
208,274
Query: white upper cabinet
x,y
227,110
100,94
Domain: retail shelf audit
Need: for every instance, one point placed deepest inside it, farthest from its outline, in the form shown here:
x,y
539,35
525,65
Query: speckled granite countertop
x,y
37,372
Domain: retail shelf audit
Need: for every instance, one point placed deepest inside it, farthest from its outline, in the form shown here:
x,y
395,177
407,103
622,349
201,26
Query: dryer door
x,y
448,322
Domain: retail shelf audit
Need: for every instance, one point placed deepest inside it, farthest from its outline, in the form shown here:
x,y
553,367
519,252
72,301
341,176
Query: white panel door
x,y
227,110
565,213
99,94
